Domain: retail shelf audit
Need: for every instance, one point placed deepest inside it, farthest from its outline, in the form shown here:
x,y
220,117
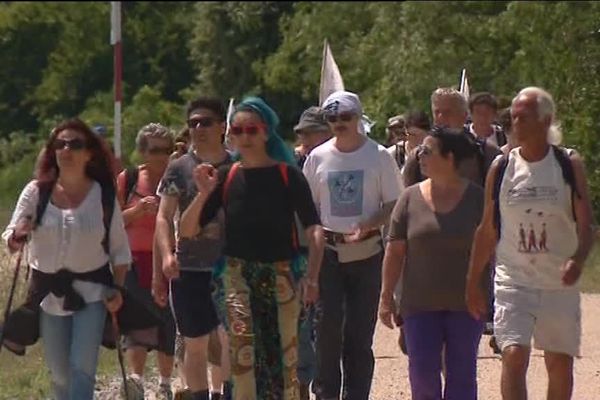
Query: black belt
x,y
333,238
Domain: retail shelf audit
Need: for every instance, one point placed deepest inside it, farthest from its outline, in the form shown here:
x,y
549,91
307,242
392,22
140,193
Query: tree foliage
x,y
58,60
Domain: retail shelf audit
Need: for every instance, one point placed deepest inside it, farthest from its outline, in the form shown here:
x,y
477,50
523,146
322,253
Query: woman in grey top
x,y
431,231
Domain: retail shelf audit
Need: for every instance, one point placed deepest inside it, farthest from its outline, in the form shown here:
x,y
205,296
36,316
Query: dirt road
x,y
391,367
390,381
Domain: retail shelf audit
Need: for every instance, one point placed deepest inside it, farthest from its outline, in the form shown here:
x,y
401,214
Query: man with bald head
x,y
450,109
543,188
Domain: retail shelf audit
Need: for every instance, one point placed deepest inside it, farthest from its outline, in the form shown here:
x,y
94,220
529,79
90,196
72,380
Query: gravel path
x,y
391,366
390,381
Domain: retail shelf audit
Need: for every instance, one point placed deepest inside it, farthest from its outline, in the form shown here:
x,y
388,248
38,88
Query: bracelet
x,y
312,282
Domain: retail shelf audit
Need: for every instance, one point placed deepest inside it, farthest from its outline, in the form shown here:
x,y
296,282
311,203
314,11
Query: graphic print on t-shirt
x,y
346,192
533,236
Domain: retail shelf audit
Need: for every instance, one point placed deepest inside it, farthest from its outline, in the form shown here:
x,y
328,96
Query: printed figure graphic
x,y
523,239
543,238
346,192
532,239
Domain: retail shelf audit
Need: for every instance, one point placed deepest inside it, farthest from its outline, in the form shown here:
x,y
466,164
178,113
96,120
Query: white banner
x,y
464,85
331,79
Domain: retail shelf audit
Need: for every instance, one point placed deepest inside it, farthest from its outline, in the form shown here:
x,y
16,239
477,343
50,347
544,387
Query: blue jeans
x,y
71,344
426,333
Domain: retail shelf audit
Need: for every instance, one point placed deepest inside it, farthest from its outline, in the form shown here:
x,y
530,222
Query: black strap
x,y
131,180
568,173
502,164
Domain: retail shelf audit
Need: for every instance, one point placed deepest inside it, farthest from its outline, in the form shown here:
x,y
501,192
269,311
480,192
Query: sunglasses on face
x,y
423,150
159,150
345,117
203,122
252,129
73,144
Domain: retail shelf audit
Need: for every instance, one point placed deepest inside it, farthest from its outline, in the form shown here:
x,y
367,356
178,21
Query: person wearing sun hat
x,y
312,130
355,183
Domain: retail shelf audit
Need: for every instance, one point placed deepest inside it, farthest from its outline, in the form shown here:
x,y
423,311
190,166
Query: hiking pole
x,y
117,335
11,294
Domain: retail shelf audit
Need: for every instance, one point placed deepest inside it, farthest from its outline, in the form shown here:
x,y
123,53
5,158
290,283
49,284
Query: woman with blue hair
x,y
261,277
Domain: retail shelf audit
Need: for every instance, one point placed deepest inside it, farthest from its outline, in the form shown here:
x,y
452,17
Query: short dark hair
x,y
208,103
418,119
483,98
505,120
453,141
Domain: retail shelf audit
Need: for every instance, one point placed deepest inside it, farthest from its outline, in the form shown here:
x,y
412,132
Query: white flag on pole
x,y
464,85
331,79
228,122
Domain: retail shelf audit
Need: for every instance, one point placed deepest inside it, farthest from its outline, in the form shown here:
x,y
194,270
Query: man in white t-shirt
x,y
538,219
355,184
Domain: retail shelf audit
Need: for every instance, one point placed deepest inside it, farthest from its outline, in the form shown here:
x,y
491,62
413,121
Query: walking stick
x,y
117,335
11,294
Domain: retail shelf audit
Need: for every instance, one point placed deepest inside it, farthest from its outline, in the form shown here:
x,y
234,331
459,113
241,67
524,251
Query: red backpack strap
x,y
230,175
283,169
284,174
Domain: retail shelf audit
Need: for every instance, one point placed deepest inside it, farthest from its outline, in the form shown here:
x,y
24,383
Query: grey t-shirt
x,y
437,250
199,253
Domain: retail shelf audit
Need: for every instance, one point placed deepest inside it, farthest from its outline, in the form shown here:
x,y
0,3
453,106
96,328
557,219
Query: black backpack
x,y
108,207
562,156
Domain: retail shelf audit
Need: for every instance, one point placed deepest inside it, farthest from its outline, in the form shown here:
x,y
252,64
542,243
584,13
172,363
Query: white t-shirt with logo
x,y
538,232
349,187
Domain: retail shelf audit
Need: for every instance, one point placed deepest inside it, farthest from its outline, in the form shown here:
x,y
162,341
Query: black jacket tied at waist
x,y
60,284
21,329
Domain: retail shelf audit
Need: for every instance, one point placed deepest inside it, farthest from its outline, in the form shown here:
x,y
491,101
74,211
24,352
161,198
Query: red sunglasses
x,y
250,129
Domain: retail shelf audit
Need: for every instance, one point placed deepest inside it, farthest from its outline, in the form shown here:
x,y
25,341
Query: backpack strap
x,y
230,175
108,209
44,194
500,136
283,169
497,185
131,180
568,172
481,159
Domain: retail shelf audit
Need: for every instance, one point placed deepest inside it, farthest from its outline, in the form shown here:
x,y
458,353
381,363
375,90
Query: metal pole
x,y
115,41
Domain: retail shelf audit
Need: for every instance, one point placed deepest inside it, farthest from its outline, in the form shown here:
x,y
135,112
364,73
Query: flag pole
x,y
115,41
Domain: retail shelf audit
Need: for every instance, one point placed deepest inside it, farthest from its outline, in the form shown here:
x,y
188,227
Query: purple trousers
x,y
426,334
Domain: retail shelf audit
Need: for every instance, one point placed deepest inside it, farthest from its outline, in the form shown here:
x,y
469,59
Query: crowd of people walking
x,y
265,268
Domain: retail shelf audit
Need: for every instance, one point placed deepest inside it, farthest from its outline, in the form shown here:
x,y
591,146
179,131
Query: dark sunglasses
x,y
423,150
159,150
204,122
73,144
251,129
345,117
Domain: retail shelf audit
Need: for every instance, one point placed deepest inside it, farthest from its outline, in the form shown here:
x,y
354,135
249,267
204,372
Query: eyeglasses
x,y
423,150
345,117
251,129
73,144
159,150
203,122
